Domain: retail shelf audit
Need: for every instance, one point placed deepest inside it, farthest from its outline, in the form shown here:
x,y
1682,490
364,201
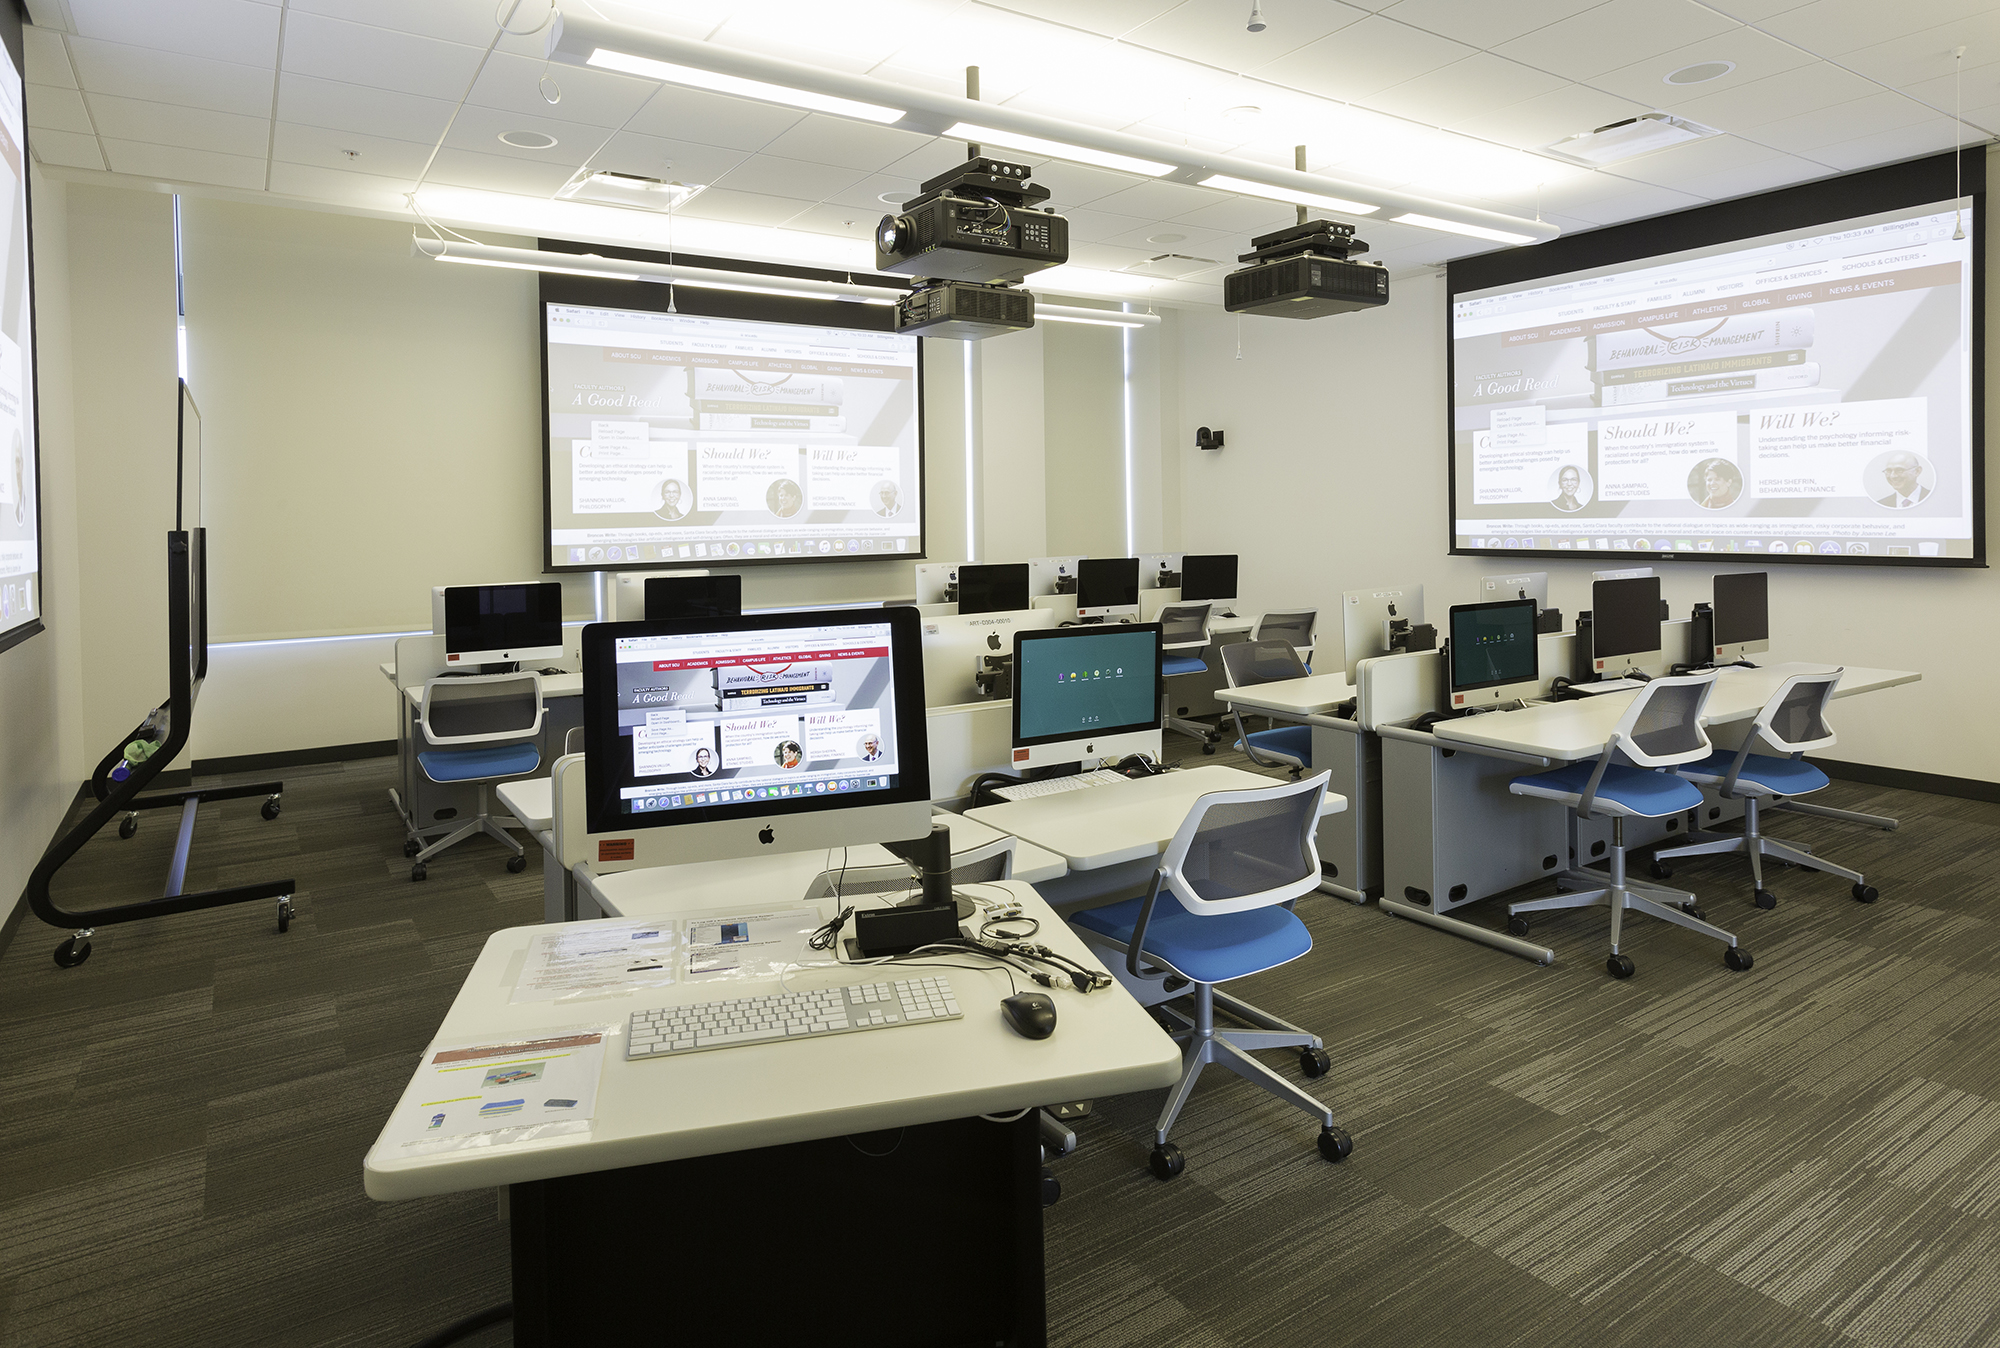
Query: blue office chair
x,y
1794,723
1298,626
1659,731
482,728
1220,908
1247,664
1183,638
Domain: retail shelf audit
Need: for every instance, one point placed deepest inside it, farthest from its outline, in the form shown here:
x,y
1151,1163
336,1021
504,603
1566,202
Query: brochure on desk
x,y
501,1092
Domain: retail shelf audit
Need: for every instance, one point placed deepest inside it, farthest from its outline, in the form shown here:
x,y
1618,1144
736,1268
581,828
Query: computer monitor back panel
x,y
1364,616
1209,577
1742,615
1154,565
932,578
1053,575
672,597
992,589
1520,585
1494,656
955,648
1086,693
628,593
766,733
498,624
1623,573
1107,587
1625,626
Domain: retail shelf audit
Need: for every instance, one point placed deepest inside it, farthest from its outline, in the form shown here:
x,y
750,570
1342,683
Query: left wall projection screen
x,y
20,513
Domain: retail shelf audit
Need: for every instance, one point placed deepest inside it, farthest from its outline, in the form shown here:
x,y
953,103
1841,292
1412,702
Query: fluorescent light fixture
x,y
1056,149
1044,316
1470,231
601,274
693,78
589,264
1244,187
1617,141
703,283
1103,318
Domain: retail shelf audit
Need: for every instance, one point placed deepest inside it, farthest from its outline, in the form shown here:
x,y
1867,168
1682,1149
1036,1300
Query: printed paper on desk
x,y
501,1093
576,961
749,946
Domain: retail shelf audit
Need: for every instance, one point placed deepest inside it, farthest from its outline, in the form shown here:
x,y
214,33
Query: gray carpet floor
x,y
1802,1154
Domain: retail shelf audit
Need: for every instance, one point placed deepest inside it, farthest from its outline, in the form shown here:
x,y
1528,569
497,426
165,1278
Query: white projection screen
x,y
20,469
1791,376
712,434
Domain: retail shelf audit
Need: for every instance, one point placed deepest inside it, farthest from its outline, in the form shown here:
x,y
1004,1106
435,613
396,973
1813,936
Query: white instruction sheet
x,y
575,961
749,945
501,1093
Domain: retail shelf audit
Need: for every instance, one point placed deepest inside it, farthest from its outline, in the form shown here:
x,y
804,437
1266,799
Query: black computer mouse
x,y
1031,1014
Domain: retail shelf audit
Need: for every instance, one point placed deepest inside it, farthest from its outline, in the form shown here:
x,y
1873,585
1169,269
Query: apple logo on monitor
x,y
765,835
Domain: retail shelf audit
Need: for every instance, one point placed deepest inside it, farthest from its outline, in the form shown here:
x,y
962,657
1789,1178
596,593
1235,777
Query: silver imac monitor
x,y
933,580
1159,570
1623,573
766,733
1365,616
498,624
1107,587
956,648
1053,575
1086,692
1521,585
1625,626
1742,615
1493,655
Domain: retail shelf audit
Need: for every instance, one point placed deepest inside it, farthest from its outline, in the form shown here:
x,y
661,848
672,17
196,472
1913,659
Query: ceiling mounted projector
x,y
1304,272
965,310
978,222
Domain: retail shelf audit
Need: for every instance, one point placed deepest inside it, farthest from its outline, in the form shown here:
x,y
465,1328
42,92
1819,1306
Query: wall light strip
x,y
1288,195
621,269
1056,149
971,462
536,266
669,73
1103,318
1456,227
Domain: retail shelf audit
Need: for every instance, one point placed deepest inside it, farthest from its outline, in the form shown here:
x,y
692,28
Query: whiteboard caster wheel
x,y
271,808
72,952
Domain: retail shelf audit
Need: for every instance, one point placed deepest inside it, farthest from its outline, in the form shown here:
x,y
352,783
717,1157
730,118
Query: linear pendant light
x,y
580,40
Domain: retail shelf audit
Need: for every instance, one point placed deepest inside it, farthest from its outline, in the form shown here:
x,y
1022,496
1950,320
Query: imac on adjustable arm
x,y
937,582
1625,627
1107,588
1493,656
1525,585
498,624
1086,692
1742,616
733,737
1383,622
992,589
1053,575
1209,578
1159,570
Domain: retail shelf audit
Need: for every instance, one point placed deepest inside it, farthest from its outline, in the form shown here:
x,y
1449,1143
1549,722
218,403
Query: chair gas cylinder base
x,y
1661,729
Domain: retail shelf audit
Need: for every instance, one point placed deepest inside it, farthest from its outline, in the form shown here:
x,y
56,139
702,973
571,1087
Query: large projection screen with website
x,y
20,486
1793,376
690,438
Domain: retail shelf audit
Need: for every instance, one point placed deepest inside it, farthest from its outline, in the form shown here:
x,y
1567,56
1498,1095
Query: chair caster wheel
x,y
1660,870
1621,966
284,915
1518,926
271,808
517,864
1208,748
1335,1144
411,847
1694,911
1051,1188
1167,1161
1865,894
1315,1062
420,871
128,826
1766,899
1737,958
72,953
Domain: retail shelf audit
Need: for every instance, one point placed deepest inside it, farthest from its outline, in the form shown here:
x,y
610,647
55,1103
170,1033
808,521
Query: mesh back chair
x,y
1247,664
1297,626
1183,638
481,728
1220,908
1793,722
1659,731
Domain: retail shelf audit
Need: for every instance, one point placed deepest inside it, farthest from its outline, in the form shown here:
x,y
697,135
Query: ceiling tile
x,y
1613,35
1982,86
592,97
48,63
1767,175
1110,17
712,119
379,58
193,128
1536,122
682,18
1807,131
744,208
67,148
1917,57
450,20
160,77
836,140
773,176
844,221
497,173
1157,201
1193,240
1642,202
1484,25
1776,97
941,156
377,155
1755,11
347,189
480,129
1756,56
866,194
1076,184
350,107
1465,88
1214,32
172,164
57,109
1363,58
1886,147
1091,226
1836,27
224,30
1240,215
675,160
1668,167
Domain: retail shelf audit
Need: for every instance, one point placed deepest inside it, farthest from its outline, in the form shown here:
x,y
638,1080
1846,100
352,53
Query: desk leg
x,y
1499,940
928,1235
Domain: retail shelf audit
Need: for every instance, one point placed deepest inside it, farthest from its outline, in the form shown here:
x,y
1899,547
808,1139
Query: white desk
x,y
553,685
1314,695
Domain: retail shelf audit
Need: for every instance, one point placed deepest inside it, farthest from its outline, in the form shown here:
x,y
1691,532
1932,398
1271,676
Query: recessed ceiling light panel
x,y
1630,138
1701,72
629,190
528,140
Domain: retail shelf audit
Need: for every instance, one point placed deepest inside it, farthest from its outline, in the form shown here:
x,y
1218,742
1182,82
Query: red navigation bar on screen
x,y
772,658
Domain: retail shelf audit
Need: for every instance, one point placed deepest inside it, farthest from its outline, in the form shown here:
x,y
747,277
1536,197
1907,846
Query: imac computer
x,y
992,589
1522,585
937,582
958,649
1368,619
1086,692
1053,575
498,624
767,733
672,597
628,593
1209,578
1494,654
1742,615
1623,573
1159,570
1107,587
1625,626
